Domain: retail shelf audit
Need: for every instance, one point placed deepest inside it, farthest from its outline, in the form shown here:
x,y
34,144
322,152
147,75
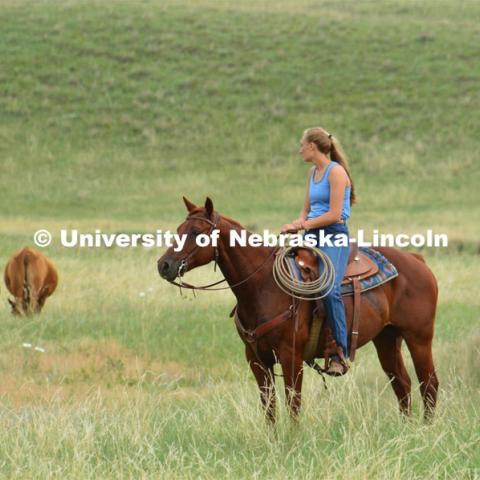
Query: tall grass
x,y
218,431
110,112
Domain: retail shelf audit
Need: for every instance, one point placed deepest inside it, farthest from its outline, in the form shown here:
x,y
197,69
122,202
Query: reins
x,y
207,287
183,264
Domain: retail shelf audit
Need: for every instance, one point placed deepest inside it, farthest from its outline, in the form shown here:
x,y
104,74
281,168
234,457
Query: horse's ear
x,y
190,206
209,206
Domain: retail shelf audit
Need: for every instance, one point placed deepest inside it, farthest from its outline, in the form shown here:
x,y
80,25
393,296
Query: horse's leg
x,y
388,344
421,351
266,383
292,367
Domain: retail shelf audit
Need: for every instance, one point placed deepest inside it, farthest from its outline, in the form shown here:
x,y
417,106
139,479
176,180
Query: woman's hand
x,y
289,228
299,223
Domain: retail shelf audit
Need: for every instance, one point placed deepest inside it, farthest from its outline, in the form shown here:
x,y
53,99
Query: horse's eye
x,y
194,233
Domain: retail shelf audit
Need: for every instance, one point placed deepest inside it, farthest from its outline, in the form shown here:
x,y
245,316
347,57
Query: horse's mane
x,y
202,210
225,217
231,220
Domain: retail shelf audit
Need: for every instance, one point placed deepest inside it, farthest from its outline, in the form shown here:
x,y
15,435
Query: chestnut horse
x,y
401,309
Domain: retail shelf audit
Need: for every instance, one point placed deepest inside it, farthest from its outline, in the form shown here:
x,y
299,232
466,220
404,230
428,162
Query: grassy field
x,y
110,112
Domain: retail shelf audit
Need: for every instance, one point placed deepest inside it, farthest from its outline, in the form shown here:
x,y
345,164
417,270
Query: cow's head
x,y
28,305
16,310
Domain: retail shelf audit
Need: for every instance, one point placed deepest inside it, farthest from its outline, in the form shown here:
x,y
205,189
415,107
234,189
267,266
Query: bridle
x,y
184,262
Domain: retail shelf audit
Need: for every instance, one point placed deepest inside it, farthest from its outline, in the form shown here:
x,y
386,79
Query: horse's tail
x,y
419,256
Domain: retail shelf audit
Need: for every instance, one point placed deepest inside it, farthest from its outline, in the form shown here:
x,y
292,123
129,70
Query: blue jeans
x,y
335,309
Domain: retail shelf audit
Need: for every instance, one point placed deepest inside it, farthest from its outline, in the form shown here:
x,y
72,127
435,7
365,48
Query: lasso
x,y
284,275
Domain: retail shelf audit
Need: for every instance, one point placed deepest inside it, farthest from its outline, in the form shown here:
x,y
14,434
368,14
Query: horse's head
x,y
173,264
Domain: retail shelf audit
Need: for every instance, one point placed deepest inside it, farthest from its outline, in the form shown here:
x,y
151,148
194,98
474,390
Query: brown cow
x,y
30,277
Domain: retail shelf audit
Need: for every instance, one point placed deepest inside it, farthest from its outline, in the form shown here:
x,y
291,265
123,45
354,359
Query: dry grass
x,y
31,377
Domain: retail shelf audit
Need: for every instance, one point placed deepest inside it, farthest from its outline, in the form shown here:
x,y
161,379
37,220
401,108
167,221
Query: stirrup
x,y
336,371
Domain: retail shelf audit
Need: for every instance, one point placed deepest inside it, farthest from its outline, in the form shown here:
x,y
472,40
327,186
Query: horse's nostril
x,y
164,267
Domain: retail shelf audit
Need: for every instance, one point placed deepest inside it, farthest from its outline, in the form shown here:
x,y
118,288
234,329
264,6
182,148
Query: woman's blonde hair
x,y
329,145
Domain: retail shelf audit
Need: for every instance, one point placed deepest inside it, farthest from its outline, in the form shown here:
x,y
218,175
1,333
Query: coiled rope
x,y
286,278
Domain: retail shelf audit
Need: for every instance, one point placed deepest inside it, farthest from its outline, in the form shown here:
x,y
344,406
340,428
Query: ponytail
x,y
337,155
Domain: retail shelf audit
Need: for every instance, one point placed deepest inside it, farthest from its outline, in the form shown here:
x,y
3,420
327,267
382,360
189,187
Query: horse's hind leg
x,y
421,351
266,383
388,344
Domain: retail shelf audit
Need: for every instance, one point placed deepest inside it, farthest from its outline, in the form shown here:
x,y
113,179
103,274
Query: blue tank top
x,y
320,196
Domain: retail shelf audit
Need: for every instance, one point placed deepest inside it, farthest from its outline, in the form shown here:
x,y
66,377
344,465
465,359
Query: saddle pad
x,y
386,272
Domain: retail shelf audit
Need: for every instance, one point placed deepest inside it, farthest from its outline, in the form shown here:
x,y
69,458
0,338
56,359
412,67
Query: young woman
x,y
330,193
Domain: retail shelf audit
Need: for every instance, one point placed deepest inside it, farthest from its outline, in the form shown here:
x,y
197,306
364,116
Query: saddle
x,y
359,267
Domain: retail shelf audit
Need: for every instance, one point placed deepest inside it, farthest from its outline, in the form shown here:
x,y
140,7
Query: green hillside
x,y
186,97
